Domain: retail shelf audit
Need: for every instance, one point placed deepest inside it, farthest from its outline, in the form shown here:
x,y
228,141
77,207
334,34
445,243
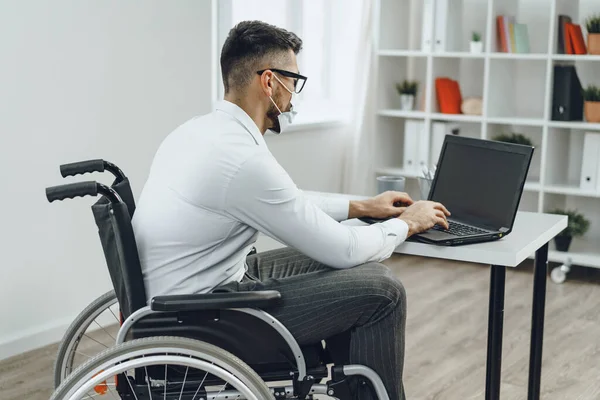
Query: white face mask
x,y
285,118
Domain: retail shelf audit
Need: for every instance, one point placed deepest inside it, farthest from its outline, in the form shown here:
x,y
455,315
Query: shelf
x,y
458,54
516,121
503,56
583,253
402,53
532,187
574,125
572,190
519,56
398,172
402,114
456,117
575,57
517,91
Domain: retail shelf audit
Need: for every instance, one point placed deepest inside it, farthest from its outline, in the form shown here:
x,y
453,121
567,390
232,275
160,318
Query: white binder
x,y
448,25
411,145
439,130
598,171
423,145
427,26
589,165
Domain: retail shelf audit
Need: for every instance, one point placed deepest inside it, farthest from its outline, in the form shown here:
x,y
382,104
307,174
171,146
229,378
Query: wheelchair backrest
x,y
123,188
120,250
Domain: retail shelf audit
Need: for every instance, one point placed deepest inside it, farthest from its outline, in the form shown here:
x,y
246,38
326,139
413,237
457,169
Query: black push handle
x,y
98,165
71,190
82,167
81,189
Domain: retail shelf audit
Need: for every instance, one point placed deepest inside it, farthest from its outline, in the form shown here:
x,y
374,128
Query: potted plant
x,y
476,43
578,225
513,138
591,107
407,91
593,40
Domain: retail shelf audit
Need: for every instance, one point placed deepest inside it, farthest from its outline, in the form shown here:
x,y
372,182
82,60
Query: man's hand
x,y
423,215
384,205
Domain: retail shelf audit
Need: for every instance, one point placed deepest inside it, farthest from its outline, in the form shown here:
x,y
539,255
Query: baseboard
x,y
32,339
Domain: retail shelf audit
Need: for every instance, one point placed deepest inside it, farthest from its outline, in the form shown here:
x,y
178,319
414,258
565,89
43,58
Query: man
x,y
214,185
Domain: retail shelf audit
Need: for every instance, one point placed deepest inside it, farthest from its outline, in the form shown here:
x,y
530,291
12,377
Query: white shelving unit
x,y
517,96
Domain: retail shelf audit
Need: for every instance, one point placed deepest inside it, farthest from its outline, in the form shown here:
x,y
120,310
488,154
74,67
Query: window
x,y
325,27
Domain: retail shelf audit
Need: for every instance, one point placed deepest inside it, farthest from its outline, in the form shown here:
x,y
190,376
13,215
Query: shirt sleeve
x,y
263,196
336,207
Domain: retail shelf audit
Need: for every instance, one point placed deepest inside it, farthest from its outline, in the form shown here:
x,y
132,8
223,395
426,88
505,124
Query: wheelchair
x,y
218,345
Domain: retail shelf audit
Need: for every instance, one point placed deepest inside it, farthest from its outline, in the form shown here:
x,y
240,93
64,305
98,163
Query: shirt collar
x,y
244,119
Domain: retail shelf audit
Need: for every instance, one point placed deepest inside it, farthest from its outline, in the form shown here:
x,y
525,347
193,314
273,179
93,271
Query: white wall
x,y
82,79
313,158
106,79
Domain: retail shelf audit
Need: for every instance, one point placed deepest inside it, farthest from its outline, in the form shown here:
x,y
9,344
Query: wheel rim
x,y
72,350
146,383
78,393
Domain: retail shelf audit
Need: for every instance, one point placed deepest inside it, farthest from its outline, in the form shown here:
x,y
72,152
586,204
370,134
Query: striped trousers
x,y
365,303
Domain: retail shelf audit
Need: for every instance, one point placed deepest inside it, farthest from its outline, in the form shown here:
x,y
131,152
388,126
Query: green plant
x,y
578,225
407,87
476,37
591,93
593,24
513,138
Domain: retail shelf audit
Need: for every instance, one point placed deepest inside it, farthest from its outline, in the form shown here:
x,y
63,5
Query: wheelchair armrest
x,y
215,301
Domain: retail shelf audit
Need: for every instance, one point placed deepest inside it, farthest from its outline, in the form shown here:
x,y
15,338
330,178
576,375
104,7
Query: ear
x,y
266,83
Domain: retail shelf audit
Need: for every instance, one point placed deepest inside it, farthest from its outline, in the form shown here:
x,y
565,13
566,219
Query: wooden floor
x,y
447,335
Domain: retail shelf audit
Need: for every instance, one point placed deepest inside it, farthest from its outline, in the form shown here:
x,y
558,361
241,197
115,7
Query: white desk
x,y
531,234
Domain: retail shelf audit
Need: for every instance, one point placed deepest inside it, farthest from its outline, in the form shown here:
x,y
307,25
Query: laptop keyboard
x,y
459,229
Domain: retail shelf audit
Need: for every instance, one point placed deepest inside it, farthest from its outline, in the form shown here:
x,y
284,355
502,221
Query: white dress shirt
x,y
213,185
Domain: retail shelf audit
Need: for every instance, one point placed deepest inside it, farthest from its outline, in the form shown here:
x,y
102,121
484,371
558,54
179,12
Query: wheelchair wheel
x,y
164,368
92,331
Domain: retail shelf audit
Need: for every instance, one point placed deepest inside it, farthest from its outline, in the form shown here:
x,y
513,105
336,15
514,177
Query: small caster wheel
x,y
559,274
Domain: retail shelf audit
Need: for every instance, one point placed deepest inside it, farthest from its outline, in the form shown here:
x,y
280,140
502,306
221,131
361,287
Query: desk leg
x,y
495,325
537,322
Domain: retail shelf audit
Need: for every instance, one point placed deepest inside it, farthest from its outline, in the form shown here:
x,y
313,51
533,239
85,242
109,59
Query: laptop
x,y
480,182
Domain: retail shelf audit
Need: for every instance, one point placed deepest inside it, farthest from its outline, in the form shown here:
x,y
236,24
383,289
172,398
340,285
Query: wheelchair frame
x,y
303,385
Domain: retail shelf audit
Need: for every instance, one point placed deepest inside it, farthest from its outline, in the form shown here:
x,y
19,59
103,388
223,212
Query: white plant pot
x,y
476,47
407,102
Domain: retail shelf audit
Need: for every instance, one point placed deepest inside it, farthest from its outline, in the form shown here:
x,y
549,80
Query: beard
x,y
272,114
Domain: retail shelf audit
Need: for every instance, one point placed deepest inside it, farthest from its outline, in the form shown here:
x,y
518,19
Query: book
x,y
513,44
508,21
522,38
576,39
561,42
448,95
568,42
501,35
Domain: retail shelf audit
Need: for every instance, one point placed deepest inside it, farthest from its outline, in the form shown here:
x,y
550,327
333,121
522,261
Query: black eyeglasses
x,y
299,80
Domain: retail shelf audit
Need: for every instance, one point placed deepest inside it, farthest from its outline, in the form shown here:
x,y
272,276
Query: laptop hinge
x,y
503,230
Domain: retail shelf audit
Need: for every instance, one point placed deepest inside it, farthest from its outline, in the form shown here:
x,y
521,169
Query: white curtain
x,y
358,173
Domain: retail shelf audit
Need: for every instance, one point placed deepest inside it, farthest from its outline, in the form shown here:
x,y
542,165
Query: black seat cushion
x,y
215,301
252,340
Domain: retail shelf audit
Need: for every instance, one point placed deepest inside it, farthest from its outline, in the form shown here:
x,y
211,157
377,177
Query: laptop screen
x,y
480,182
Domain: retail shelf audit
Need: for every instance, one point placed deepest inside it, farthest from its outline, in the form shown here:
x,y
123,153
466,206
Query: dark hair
x,y
247,44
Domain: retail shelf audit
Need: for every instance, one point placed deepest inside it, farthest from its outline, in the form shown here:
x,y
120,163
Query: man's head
x,y
258,64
